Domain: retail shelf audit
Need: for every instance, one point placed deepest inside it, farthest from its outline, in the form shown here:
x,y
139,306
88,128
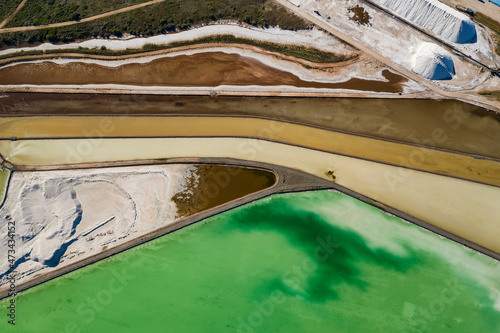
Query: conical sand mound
x,y
433,62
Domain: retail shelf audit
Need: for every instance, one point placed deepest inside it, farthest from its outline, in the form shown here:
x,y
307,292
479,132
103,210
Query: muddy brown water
x,y
446,124
209,186
360,15
208,69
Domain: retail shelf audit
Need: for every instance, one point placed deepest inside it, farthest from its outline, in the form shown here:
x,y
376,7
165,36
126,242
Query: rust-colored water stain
x,y
360,15
208,69
209,186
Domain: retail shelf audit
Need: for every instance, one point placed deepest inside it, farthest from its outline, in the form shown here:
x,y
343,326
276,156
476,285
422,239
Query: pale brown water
x,y
446,124
360,15
208,69
213,185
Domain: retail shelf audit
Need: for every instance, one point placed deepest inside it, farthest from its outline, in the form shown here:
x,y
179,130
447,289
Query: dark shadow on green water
x,y
334,255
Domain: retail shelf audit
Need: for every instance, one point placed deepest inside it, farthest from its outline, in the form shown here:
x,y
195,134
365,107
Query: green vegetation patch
x,y
7,7
4,180
492,24
297,51
38,12
167,16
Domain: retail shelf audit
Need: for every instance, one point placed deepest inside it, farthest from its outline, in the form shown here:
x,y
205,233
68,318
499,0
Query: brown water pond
x,y
208,69
213,185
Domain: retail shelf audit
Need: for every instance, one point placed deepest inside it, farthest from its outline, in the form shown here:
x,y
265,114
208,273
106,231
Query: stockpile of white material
x,y
433,62
63,216
432,15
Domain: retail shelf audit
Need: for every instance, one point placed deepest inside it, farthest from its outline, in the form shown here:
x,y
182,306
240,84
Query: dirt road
x,y
487,8
63,24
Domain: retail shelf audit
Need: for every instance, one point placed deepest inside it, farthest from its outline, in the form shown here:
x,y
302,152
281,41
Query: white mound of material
x,y
66,216
433,62
432,15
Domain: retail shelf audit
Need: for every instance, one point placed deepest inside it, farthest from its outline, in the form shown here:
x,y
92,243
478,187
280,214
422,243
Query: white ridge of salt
x,y
309,38
433,62
435,16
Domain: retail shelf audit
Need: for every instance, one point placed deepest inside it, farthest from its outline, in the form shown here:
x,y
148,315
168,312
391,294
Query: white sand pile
x,y
65,216
432,15
433,62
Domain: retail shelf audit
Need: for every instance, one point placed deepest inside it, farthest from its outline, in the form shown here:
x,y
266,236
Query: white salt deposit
x,y
432,15
309,38
65,216
433,62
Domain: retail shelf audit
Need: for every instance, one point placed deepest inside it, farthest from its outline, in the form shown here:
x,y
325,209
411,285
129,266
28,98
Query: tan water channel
x,y
446,124
419,158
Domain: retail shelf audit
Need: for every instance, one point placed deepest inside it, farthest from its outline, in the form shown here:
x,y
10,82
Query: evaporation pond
x,y
303,262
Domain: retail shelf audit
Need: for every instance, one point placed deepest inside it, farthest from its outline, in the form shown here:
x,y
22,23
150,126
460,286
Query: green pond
x,y
302,262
